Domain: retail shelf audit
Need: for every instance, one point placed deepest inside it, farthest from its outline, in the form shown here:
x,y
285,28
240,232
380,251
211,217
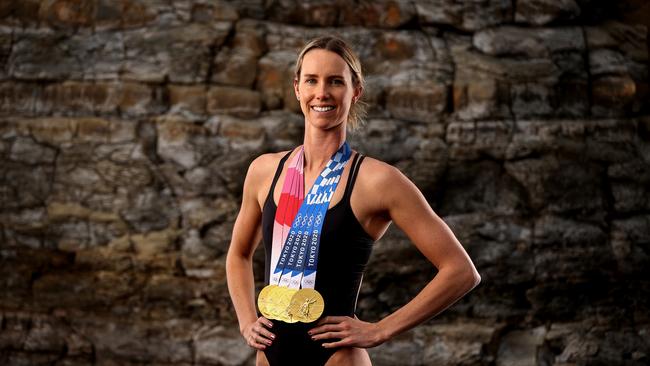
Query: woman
x,y
328,83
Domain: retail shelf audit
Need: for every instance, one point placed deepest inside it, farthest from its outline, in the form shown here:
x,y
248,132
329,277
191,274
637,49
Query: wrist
x,y
383,334
244,324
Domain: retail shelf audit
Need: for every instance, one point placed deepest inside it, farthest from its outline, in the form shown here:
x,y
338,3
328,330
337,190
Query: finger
x,y
252,342
332,320
341,343
265,321
266,334
325,328
330,335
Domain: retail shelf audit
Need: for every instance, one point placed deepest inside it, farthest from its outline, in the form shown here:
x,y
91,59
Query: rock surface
x,y
126,129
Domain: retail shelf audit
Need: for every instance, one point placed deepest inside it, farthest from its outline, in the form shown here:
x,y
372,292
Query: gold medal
x,y
306,305
283,300
276,301
264,301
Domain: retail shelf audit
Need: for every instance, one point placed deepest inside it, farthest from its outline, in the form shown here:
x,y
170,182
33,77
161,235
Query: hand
x,y
350,332
256,334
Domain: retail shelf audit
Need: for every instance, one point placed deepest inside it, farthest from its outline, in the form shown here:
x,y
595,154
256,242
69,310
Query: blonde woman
x,y
318,209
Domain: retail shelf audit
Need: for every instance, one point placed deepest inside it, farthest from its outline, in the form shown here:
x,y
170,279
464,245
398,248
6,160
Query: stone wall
x,y
126,128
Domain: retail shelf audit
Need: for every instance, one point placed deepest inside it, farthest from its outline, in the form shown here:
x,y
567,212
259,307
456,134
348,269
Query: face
x,y
325,89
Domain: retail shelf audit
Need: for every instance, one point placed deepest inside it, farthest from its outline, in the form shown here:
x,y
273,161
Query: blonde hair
x,y
341,48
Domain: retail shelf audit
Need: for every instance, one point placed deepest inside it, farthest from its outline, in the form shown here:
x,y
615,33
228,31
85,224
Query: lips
x,y
321,109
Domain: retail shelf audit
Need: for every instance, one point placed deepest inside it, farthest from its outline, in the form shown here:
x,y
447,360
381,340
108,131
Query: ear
x,y
358,92
295,88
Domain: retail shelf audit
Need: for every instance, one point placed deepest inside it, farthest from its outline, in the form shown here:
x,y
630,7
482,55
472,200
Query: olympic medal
x,y
280,299
264,300
306,305
273,306
283,305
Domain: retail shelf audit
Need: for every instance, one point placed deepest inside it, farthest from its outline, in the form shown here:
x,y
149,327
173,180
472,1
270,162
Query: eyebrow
x,y
329,76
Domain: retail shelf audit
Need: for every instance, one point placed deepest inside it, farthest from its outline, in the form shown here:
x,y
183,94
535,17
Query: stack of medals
x,y
290,295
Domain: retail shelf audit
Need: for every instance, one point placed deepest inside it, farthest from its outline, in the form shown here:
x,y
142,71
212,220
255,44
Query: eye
x,y
310,81
338,82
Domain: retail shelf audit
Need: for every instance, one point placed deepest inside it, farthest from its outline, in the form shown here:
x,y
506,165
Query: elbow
x,y
476,278
469,277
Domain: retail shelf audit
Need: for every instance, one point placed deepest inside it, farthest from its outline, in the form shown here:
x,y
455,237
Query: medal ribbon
x,y
294,264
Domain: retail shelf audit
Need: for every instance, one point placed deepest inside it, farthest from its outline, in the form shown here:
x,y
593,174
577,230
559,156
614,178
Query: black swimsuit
x,y
344,252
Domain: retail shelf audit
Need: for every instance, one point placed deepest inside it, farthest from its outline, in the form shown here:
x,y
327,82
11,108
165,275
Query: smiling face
x,y
325,89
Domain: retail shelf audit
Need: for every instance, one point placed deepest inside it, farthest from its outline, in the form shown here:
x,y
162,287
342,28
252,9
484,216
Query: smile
x,y
323,109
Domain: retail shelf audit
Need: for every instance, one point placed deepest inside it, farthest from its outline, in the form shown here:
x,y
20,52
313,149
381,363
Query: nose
x,y
323,93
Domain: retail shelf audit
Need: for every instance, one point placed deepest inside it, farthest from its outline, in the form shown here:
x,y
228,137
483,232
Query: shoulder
x,y
265,163
378,173
262,169
383,184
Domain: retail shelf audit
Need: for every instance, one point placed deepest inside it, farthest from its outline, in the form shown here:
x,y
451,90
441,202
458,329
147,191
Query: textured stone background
x,y
526,123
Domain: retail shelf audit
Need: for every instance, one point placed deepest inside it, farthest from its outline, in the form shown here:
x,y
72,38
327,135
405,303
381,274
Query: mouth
x,y
322,109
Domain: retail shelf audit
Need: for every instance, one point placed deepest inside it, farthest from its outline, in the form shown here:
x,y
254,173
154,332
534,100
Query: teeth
x,y
323,109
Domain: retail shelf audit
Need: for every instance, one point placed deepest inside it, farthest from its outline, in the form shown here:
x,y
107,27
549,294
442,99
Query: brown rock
x,y
481,99
424,103
607,61
236,129
68,13
42,56
629,237
540,12
377,14
275,77
312,13
25,187
134,13
250,36
459,343
48,55
236,67
613,95
182,54
187,99
184,143
490,192
21,99
82,98
101,130
234,101
139,99
466,16
557,185
224,11
508,40
217,345
6,8
27,151
575,240
520,348
26,12
109,14
153,243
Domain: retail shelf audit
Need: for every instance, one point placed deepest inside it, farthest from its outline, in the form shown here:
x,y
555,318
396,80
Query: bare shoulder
x,y
263,165
383,186
260,176
377,173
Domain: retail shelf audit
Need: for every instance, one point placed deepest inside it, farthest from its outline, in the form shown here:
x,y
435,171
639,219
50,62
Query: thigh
x,y
349,356
261,360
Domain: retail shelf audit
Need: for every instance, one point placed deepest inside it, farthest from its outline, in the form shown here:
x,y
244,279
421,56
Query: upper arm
x,y
409,210
246,232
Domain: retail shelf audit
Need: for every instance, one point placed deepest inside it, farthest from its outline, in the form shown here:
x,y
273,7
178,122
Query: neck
x,y
320,145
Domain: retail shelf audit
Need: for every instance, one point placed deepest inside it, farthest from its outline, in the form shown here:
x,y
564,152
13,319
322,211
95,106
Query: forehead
x,y
324,62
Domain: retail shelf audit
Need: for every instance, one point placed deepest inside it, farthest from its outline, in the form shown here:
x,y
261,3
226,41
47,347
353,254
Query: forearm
x,y
241,286
447,287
